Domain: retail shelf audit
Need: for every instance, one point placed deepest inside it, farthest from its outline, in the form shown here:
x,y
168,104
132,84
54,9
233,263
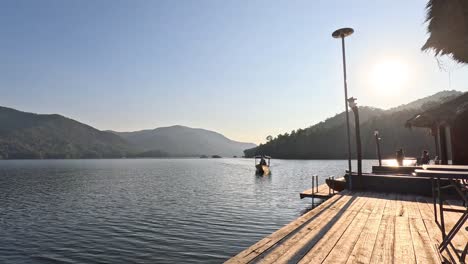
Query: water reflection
x,y
262,179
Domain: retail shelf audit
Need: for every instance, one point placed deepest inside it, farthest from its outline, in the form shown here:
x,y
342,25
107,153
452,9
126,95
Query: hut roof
x,y
444,113
448,28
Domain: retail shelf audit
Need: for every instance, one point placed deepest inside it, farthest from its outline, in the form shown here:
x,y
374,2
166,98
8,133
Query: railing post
x,y
312,191
316,182
313,181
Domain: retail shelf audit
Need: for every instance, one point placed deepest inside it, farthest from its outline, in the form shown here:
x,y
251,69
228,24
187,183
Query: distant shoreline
x,y
160,158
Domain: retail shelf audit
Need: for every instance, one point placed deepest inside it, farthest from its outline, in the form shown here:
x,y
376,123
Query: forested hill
x,y
37,136
32,136
327,139
185,141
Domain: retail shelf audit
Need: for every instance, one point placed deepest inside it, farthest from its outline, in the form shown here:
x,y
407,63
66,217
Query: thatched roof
x,y
448,28
442,114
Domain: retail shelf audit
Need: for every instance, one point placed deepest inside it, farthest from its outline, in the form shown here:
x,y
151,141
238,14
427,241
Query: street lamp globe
x,y
342,32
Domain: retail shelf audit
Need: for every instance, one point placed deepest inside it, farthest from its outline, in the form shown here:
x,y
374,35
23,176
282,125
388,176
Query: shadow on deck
x,y
359,227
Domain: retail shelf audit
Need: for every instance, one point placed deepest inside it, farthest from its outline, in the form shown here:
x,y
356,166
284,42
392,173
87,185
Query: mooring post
x,y
316,182
312,191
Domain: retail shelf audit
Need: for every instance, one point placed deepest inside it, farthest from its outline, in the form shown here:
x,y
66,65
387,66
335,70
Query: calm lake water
x,y
147,210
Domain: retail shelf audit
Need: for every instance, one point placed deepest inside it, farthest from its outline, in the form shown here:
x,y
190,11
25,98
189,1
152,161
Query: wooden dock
x,y
319,191
322,191
359,227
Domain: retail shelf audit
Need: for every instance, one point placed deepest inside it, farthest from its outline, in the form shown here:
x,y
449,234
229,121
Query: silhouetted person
x,y
263,162
400,156
425,157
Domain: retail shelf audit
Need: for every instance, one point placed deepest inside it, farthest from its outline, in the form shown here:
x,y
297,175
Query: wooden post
x,y
443,145
312,192
358,140
435,133
377,142
459,139
313,181
354,107
316,182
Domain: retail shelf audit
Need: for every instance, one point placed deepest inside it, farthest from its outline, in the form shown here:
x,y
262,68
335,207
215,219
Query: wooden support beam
x,y
443,145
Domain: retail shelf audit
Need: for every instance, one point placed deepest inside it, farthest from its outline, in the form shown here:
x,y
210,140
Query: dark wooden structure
x,y
448,123
404,184
395,170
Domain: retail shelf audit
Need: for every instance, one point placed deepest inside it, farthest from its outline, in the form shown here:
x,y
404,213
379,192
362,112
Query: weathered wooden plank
x,y
290,246
411,208
258,248
391,208
383,248
362,251
327,243
403,251
294,253
425,252
384,244
423,247
357,228
345,246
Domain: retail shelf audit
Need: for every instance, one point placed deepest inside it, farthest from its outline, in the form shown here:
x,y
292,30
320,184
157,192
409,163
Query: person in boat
x,y
425,159
400,156
263,161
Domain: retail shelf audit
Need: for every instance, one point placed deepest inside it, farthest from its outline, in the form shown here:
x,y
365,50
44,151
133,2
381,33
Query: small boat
x,y
262,167
337,185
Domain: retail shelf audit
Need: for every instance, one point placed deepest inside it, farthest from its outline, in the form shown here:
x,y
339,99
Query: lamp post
x,y
377,142
353,105
342,33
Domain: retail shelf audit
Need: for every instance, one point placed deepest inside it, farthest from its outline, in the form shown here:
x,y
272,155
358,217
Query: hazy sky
x,y
247,69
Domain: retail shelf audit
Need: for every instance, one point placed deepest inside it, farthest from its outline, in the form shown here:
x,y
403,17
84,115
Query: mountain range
x,y
185,141
328,140
33,136
37,136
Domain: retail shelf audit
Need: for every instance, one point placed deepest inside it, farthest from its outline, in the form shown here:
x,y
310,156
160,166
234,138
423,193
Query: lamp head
x,y
342,32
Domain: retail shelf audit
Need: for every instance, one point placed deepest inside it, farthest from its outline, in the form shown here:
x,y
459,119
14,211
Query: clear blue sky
x,y
247,69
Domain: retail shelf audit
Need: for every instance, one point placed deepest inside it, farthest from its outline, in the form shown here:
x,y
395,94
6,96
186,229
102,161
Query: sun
x,y
389,76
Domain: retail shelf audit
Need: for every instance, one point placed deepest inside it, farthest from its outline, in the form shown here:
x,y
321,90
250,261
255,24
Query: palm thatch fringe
x,y
448,28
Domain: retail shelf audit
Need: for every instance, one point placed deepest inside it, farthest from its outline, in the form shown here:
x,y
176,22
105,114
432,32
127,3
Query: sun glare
x,y
389,76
